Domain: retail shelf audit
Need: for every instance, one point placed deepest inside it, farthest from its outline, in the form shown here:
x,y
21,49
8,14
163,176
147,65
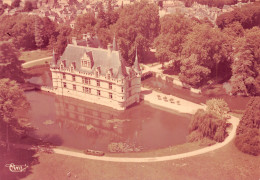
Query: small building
x,y
96,75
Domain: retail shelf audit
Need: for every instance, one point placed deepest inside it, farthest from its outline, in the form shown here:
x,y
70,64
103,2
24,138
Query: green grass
x,y
33,55
226,163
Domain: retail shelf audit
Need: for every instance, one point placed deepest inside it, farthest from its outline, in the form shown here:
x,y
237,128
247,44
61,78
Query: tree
x,y
209,49
28,6
248,136
205,124
10,65
38,34
218,106
174,29
16,3
84,24
248,16
12,101
211,123
62,39
137,26
245,78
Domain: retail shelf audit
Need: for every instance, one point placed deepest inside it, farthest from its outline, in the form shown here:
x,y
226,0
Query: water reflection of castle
x,y
91,119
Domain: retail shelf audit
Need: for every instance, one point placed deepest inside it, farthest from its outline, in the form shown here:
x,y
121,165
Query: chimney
x,y
110,48
74,40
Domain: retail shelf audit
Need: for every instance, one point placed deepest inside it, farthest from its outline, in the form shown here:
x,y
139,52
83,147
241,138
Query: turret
x,y
54,58
114,44
136,66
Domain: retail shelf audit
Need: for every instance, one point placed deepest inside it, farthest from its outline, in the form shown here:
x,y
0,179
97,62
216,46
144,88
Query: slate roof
x,y
100,58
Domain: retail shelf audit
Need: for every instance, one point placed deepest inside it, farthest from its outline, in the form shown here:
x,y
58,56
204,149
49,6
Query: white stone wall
x,y
120,100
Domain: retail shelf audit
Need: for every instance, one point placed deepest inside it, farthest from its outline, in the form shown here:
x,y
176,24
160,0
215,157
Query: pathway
x,y
36,60
234,121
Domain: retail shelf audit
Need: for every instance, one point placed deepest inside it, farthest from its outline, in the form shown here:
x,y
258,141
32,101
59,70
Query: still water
x,y
78,124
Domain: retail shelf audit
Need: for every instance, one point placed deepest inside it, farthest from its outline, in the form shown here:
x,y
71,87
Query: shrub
x,y
206,124
218,106
249,142
248,136
207,142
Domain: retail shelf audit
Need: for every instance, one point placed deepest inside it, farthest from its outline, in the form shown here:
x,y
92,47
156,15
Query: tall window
x,y
87,81
108,76
86,90
98,92
110,96
74,87
96,73
98,83
64,85
122,89
64,76
73,78
110,85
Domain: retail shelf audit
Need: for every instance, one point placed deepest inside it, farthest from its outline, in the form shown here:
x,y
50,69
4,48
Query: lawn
x,y
226,163
33,55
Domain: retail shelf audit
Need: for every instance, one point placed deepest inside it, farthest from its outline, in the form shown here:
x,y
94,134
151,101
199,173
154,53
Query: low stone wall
x,y
177,82
47,89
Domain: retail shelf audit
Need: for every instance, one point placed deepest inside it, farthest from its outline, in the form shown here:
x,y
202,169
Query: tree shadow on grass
x,y
26,151
17,157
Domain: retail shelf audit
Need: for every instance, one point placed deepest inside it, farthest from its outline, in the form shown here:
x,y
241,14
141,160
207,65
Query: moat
x,y
68,122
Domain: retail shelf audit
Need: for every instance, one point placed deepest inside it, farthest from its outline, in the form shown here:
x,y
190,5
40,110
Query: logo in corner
x,y
16,168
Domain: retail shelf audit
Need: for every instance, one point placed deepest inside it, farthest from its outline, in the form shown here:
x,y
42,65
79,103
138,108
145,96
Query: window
x,y
96,73
110,85
74,87
73,78
74,64
86,90
64,63
64,76
110,95
108,76
122,89
98,92
98,83
87,81
84,63
88,64
64,85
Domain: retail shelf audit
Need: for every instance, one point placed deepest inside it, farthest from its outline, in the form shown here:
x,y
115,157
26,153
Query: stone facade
x,y
96,75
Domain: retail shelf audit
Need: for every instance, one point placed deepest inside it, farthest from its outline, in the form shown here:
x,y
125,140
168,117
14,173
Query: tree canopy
x,y
206,53
23,29
248,16
137,26
12,102
10,66
245,78
248,136
174,29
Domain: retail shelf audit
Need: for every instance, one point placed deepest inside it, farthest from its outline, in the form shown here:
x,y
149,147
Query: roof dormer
x,y
86,61
109,74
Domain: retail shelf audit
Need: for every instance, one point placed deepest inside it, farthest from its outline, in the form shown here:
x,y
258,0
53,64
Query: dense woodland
x,y
200,53
214,3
